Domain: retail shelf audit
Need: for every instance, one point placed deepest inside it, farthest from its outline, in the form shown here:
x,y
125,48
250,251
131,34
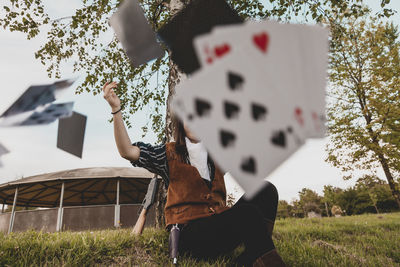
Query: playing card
x,y
198,17
242,118
3,150
16,120
71,134
63,84
135,34
60,87
272,47
279,51
35,96
314,48
49,114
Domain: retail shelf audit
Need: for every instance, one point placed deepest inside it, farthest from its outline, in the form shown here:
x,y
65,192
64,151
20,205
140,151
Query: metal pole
x,y
117,209
2,207
60,210
10,226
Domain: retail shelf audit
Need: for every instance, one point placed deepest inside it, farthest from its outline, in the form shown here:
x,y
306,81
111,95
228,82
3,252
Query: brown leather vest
x,y
188,196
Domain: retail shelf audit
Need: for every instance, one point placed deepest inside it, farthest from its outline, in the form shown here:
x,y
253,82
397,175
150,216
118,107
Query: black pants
x,y
244,223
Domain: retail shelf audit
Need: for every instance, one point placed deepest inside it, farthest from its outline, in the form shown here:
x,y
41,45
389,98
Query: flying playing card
x,y
16,120
243,119
279,52
135,34
49,114
63,84
3,150
34,97
198,17
314,48
71,134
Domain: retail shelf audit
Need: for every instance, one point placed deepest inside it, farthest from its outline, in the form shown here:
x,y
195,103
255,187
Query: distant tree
x,y
377,191
285,210
310,200
18,208
330,197
297,210
386,202
364,106
312,207
368,184
347,200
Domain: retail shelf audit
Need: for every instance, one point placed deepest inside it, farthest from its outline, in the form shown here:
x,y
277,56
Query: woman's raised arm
x,y
124,145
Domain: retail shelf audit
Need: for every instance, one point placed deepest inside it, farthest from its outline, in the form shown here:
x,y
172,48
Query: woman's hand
x,y
124,144
110,96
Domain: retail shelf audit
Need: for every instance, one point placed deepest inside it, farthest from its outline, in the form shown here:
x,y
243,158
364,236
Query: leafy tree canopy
x,y
79,38
364,106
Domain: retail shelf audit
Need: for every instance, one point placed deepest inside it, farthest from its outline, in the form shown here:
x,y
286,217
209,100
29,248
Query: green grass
x,y
365,240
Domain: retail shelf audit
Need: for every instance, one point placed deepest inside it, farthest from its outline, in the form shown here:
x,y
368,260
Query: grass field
x,y
365,240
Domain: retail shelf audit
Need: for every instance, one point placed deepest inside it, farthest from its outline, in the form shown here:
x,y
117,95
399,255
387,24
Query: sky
x,y
33,149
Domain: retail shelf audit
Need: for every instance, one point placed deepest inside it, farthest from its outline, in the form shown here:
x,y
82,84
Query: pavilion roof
x,y
86,186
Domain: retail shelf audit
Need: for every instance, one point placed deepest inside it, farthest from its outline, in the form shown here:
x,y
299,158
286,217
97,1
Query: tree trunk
x,y
376,208
392,184
160,204
327,211
173,79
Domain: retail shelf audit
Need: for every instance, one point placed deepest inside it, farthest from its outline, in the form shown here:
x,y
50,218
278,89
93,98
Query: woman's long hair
x,y
179,137
180,145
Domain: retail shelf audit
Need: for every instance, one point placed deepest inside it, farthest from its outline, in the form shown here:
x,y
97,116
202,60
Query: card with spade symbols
x,y
49,114
242,118
35,96
278,51
273,48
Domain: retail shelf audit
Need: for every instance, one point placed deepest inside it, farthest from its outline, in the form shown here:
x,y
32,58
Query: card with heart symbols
x,y
197,17
314,47
243,119
295,61
258,95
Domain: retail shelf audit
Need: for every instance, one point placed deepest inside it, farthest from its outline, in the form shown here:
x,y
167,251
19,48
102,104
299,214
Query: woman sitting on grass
x,y
196,196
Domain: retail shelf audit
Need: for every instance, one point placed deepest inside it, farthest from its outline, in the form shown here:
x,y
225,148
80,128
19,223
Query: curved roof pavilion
x,y
87,186
79,199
